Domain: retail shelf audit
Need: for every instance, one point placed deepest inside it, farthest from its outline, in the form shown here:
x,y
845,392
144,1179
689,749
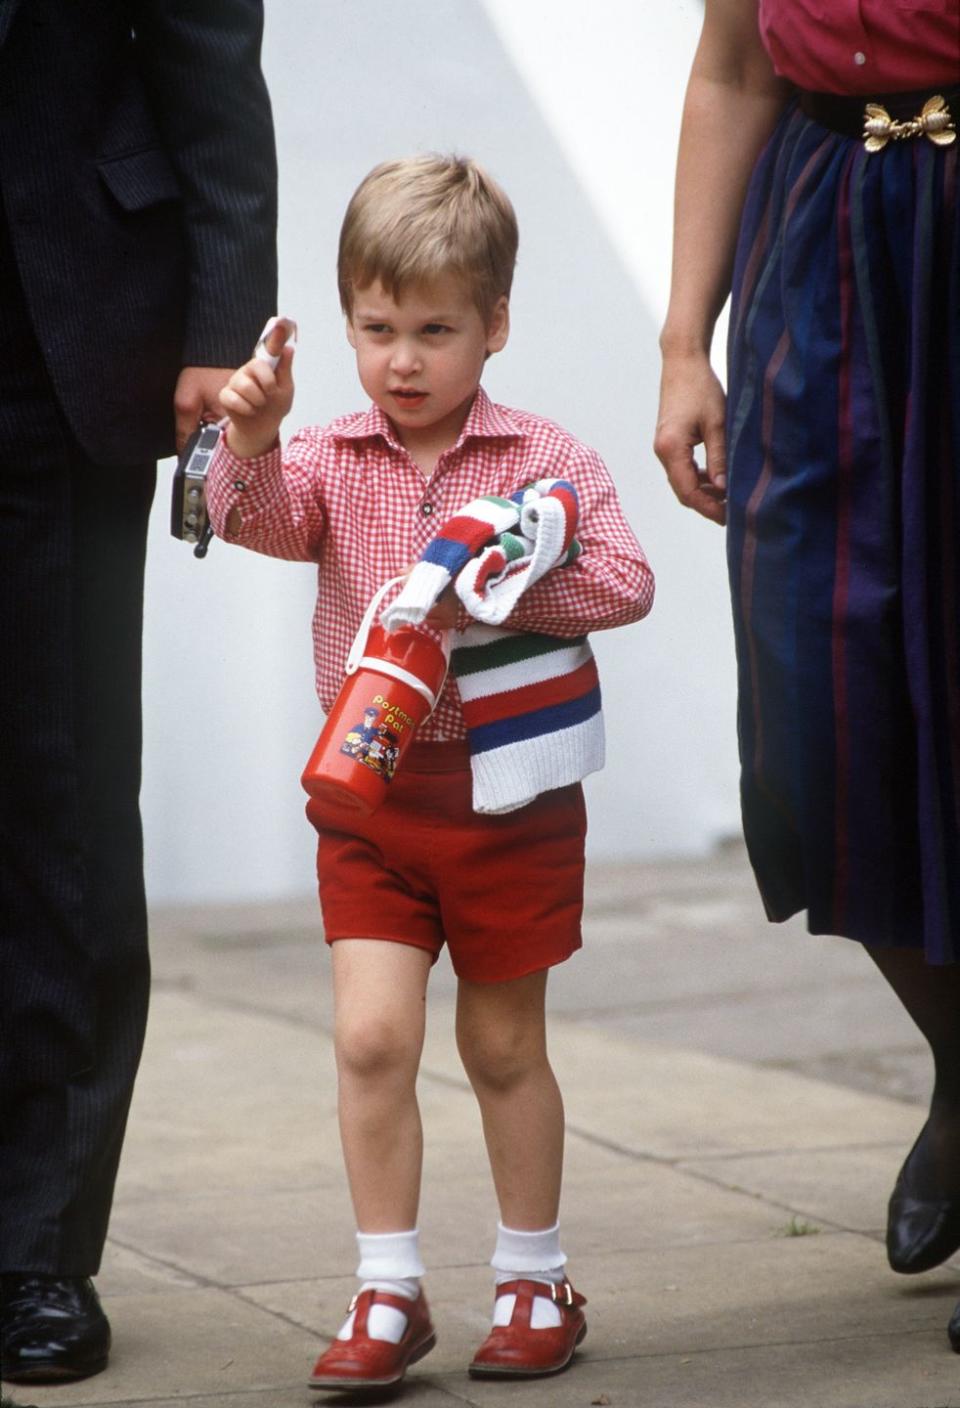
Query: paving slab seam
x,y
612,1146
827,1224
209,1284
435,1382
685,1002
203,1283
786,1151
294,1386
205,998
139,1198
280,1315
663,1161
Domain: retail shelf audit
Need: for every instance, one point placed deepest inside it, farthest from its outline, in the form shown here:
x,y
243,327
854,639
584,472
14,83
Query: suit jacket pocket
x,y
139,179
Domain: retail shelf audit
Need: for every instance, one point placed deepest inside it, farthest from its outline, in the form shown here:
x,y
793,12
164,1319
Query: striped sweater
x,y
531,703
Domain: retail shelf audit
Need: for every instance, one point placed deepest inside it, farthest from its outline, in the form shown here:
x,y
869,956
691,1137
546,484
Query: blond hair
x,y
412,221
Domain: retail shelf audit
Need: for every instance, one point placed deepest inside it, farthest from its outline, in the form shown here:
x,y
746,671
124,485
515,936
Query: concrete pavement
x,y
739,1098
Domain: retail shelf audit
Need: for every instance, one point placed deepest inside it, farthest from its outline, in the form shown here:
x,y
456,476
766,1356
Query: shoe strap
x,y
363,1300
561,1293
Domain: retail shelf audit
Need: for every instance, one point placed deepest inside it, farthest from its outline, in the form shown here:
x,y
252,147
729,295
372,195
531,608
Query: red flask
x,y
393,683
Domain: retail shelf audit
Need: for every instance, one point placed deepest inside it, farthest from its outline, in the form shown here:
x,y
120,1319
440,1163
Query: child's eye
x,y
432,329
376,328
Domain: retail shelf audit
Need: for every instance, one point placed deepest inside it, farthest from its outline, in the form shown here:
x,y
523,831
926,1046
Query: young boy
x,y
426,261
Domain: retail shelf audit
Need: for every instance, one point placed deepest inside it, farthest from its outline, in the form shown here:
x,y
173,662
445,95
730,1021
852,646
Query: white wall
x,y
575,110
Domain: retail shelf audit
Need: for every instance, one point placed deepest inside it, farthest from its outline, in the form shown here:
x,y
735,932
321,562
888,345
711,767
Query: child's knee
x,y
500,1060
375,1047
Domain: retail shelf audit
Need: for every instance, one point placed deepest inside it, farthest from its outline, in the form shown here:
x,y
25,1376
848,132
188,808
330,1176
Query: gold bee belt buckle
x,y
935,123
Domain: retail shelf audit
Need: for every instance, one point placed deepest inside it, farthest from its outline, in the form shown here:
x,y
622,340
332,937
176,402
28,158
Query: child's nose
x,y
405,357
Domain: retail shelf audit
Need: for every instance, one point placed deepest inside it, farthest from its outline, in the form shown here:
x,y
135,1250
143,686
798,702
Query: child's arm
x,y
609,584
256,497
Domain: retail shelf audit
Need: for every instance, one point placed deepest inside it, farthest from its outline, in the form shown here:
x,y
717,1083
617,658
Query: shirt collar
x,y
371,425
485,421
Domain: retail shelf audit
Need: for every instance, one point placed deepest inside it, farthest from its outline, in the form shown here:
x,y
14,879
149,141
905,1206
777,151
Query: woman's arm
x,y
732,104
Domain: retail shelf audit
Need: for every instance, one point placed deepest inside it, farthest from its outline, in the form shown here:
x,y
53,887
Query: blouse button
x,y
859,57
426,509
239,485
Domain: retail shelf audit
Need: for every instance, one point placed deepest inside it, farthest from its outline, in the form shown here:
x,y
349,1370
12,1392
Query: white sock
x,y
389,1261
528,1256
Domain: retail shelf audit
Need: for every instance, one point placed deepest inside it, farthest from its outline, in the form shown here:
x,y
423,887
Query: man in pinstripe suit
x,y
137,260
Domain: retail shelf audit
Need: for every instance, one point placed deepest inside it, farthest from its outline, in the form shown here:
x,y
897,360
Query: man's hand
x,y
196,398
256,398
692,412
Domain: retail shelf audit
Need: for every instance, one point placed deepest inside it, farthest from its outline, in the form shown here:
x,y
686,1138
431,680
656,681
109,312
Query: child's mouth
x,y
409,399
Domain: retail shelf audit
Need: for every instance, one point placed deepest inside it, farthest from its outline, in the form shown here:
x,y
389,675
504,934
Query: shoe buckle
x,y
353,1303
563,1292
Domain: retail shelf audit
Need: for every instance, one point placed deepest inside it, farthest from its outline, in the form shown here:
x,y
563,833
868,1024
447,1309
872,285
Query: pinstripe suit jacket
x,y
138,175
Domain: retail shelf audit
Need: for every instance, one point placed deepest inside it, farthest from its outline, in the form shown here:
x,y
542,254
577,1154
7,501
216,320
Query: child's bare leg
x,y
501,1035
379,1011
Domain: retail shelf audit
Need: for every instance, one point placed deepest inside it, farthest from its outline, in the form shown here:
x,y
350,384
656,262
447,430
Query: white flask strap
x,y
357,659
354,659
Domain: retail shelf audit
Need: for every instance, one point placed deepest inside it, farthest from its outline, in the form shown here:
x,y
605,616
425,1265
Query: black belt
x,y
888,117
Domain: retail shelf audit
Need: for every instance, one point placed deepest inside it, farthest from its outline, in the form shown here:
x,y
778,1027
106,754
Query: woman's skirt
x,y
844,534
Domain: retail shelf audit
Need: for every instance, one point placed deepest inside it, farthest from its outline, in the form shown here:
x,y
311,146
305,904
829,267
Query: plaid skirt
x,y
844,514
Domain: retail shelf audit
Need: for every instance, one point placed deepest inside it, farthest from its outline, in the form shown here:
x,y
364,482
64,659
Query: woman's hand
x,y
692,412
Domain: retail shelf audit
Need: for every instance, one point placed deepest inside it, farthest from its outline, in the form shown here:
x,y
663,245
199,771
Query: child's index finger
x,y
276,334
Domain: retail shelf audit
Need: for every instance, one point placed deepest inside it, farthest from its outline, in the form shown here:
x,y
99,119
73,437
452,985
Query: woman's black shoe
x,y
921,1232
52,1329
953,1331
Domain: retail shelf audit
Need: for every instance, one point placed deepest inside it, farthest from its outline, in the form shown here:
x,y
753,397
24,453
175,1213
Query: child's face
x,y
420,360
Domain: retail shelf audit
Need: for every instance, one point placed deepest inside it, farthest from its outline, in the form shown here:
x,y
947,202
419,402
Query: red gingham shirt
x,y
349,497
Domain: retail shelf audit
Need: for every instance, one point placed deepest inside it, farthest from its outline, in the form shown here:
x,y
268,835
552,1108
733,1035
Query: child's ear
x,y
498,329
351,335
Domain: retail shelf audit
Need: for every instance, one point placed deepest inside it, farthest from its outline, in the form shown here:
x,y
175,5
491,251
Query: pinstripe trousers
x,y
74,970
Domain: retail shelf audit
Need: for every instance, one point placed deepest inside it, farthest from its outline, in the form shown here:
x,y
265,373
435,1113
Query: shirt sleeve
x,y
271,503
609,584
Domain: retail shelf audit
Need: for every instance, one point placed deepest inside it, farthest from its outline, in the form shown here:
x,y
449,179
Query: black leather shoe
x,y
921,1232
953,1331
52,1328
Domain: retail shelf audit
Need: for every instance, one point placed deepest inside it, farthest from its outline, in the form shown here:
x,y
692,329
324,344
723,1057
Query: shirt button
x,y
239,485
859,57
426,509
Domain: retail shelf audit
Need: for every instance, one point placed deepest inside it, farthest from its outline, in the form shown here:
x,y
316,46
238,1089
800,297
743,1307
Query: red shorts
x,y
504,892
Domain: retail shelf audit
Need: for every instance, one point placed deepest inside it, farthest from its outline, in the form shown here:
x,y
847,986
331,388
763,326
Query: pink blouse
x,y
863,46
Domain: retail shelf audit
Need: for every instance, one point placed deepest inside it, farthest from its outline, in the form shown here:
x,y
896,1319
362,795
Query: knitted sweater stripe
x,y
452,554
536,668
543,694
469,658
466,533
536,724
509,777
